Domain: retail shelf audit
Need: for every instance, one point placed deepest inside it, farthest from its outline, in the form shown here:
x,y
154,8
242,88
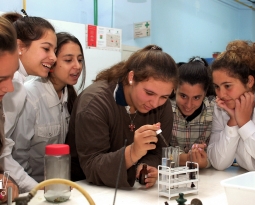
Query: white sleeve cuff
x,y
247,130
231,131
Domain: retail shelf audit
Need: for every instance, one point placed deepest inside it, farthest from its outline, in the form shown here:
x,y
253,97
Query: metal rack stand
x,y
172,181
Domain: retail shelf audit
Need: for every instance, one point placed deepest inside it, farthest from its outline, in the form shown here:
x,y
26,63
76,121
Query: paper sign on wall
x,y
92,35
142,29
103,38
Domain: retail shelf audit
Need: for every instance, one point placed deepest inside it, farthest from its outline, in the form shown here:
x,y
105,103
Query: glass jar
x,y
57,165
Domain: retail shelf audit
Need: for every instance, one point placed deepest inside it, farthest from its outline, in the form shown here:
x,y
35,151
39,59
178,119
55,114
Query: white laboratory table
x,y
210,192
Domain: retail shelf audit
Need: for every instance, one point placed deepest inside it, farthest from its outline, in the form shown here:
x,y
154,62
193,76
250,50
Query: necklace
x,y
132,125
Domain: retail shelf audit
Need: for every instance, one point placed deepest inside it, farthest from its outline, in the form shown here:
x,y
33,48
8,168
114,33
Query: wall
x,y
77,11
183,28
128,12
197,27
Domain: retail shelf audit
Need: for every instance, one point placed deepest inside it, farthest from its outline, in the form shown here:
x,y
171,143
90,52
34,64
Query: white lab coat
x,y
229,143
44,120
13,103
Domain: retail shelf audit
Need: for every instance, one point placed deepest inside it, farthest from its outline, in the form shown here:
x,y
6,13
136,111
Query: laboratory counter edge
x,y
210,192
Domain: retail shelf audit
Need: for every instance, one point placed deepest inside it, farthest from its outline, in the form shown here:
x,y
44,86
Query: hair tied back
x,y
24,12
198,59
154,47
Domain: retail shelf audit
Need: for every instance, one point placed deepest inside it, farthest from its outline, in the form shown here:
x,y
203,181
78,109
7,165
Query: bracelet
x,y
134,163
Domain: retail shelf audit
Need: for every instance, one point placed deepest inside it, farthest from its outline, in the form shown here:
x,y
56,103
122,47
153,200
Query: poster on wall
x,y
92,35
103,38
142,29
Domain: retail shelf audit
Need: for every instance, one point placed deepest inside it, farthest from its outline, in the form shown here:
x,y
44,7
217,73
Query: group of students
x,y
119,113
36,111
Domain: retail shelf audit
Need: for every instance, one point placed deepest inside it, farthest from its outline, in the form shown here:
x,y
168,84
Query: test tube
x,y
9,196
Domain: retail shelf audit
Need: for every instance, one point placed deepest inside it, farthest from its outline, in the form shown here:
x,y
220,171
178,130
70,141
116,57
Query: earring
x,y
130,82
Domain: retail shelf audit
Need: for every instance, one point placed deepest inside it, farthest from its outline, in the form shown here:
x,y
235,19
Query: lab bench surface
x,y
210,192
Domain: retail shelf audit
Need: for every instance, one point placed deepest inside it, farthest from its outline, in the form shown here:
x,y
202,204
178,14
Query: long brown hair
x,y
62,39
148,62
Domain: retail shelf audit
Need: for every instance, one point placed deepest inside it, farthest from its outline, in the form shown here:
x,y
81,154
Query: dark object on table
x,y
23,200
181,199
143,174
196,202
192,185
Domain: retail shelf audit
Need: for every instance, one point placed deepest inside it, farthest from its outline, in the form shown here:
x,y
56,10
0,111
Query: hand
x,y
15,189
244,108
201,146
145,139
152,175
231,112
199,156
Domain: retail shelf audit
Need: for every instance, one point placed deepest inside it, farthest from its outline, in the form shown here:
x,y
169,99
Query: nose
x,y
53,56
77,64
188,103
155,102
220,92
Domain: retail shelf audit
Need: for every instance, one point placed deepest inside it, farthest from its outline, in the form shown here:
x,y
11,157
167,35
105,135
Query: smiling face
x,y
39,57
189,98
68,65
147,95
9,63
229,88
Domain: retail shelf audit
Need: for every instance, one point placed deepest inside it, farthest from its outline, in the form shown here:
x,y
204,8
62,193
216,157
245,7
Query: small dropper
x,y
162,137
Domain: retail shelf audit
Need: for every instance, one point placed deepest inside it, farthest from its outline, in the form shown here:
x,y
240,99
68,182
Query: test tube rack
x,y
172,181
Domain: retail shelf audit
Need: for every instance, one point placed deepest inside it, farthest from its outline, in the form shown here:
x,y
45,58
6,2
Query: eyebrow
x,y
7,76
49,44
222,83
167,95
192,96
80,55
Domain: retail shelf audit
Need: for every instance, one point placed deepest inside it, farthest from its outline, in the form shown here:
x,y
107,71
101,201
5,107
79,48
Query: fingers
x,y
203,154
199,156
152,176
145,139
193,155
148,133
150,182
244,106
154,127
202,146
15,192
219,102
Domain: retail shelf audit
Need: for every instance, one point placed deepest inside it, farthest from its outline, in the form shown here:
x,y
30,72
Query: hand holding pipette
x,y
7,182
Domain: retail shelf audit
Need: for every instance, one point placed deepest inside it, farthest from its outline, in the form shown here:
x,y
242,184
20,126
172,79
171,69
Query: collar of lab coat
x,y
21,74
52,97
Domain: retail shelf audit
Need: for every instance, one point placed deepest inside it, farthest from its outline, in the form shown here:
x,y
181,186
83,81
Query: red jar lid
x,y
57,149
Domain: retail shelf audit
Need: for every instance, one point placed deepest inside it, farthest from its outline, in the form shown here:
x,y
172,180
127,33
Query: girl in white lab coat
x,y
233,127
45,117
37,41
